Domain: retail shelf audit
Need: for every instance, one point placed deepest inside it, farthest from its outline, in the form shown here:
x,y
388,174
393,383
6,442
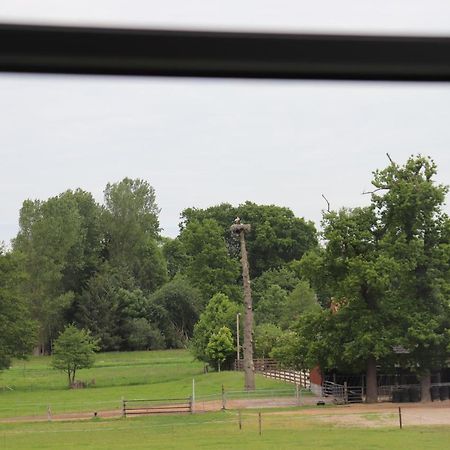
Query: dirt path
x,y
376,415
380,415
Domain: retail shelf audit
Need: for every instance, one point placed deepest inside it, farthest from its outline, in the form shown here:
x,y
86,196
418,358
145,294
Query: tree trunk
x,y
425,385
218,363
248,320
371,381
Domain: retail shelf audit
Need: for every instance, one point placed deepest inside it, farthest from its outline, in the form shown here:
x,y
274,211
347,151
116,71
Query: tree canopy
x,y
385,270
16,326
377,278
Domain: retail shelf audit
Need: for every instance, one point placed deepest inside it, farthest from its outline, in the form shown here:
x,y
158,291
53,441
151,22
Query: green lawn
x,y
215,431
29,387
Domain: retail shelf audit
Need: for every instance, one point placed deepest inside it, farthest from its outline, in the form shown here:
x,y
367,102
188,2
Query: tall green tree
x,y
86,255
108,305
210,267
16,326
130,221
49,240
277,236
360,275
176,257
385,270
182,304
416,234
219,312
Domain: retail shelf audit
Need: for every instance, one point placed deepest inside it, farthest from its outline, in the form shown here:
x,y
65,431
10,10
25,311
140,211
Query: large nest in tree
x,y
238,227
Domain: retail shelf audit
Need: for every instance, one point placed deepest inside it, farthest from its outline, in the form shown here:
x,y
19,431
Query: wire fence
x,y
222,399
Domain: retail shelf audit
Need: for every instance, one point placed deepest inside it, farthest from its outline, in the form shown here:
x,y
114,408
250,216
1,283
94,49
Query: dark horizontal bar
x,y
108,51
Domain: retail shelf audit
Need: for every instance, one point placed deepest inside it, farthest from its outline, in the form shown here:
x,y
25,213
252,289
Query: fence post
x,y
297,394
345,393
223,399
400,417
124,410
260,423
193,396
240,419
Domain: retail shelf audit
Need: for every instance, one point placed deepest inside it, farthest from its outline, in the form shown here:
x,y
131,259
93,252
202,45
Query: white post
x,y
237,339
193,394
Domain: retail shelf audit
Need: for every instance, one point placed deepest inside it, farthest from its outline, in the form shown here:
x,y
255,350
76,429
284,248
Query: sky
x,y
201,142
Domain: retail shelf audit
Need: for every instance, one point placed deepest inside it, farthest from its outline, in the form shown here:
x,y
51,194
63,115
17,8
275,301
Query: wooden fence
x,y
270,368
153,406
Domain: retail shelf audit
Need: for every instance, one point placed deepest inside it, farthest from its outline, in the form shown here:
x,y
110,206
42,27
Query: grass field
x,y
29,387
215,431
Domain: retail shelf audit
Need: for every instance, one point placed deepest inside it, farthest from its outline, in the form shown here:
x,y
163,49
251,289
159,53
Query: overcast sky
x,y
202,142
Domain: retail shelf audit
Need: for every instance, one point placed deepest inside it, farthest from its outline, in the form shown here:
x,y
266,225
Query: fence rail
x,y
156,406
343,394
291,376
270,368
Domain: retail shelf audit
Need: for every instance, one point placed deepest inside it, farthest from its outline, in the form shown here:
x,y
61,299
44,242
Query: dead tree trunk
x,y
249,370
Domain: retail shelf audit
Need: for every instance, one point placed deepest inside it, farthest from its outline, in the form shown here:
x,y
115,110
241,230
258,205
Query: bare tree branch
x,y
328,203
389,157
384,188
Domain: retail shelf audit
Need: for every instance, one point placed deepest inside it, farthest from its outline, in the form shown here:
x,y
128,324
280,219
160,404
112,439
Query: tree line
x,y
370,292
107,268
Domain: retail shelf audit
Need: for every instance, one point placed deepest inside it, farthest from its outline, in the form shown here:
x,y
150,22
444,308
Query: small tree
x,y
220,346
266,336
74,349
219,312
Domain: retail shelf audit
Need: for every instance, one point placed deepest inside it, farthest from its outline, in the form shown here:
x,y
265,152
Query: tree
x,y
285,351
384,269
359,274
266,336
145,335
108,305
73,350
210,269
219,312
17,330
132,243
176,257
301,300
270,294
271,305
416,233
220,346
277,236
48,239
182,303
283,277
84,258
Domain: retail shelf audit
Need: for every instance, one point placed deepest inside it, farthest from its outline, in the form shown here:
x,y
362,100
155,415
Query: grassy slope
x,y
157,374
214,430
161,374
